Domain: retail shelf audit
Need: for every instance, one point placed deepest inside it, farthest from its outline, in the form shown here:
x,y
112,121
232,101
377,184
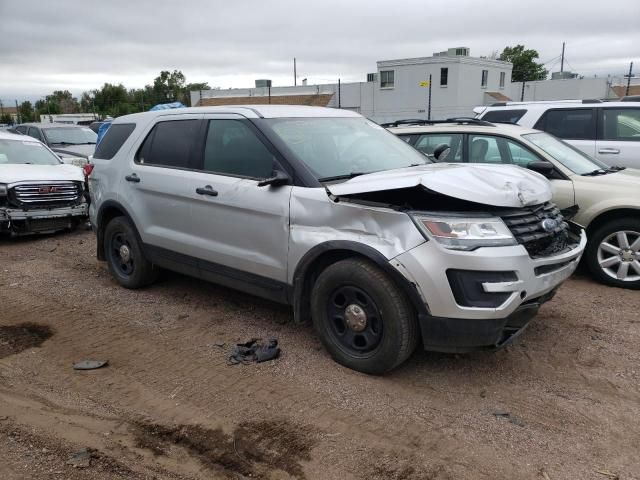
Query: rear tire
x,y
364,320
613,253
125,257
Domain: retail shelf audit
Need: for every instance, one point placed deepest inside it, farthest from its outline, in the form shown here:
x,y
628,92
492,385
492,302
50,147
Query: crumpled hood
x,y
75,150
497,185
40,173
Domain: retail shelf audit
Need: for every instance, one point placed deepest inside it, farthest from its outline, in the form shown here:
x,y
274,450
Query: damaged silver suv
x,y
328,212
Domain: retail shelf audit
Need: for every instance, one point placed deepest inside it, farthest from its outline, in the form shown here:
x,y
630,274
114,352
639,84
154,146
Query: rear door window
x,y
35,133
503,116
112,141
621,124
490,149
427,144
572,124
170,144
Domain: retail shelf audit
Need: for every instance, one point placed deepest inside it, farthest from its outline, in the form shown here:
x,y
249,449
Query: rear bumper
x,y
461,335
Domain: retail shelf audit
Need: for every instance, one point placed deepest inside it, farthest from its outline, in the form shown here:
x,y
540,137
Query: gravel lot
x,y
563,402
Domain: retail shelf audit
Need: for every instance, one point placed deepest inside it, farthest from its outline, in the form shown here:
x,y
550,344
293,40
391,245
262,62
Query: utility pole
x,y
295,74
17,113
522,94
429,106
269,87
1,108
629,79
562,59
339,100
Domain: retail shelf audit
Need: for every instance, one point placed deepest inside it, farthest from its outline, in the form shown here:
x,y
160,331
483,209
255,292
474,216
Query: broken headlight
x,y
461,233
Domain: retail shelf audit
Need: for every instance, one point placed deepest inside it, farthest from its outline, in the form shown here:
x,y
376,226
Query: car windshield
x,y
569,156
70,136
17,152
339,148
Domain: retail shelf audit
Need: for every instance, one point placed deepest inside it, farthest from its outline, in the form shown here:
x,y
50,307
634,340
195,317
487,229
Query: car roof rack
x,y
458,120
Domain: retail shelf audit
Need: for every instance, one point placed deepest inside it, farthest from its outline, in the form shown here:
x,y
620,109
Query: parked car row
x,y
434,236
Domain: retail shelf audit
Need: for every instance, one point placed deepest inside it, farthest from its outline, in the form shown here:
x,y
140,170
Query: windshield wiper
x,y
65,143
616,168
346,176
594,173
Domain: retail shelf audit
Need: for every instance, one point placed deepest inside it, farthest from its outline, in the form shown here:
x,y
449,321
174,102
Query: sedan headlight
x,y
462,233
3,189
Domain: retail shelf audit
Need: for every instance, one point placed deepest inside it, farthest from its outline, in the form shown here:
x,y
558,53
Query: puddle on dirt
x,y
254,449
16,338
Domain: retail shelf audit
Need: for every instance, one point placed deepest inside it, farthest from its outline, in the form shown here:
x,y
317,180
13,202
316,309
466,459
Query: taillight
x,y
88,168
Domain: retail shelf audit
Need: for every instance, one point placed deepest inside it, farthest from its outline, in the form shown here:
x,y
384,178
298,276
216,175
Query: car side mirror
x,y
278,178
441,152
541,166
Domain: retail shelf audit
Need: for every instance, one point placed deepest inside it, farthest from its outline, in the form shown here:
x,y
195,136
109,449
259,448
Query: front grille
x,y
540,240
46,195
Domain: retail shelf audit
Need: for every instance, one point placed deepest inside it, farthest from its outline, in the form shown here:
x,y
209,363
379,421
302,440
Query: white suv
x,y
328,212
606,198
607,131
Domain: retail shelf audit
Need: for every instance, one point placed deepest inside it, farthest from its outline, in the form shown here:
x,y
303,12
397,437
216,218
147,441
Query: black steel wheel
x,y
124,255
364,320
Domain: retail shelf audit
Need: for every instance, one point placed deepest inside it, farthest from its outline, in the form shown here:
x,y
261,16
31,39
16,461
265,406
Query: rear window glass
x,y
504,116
116,135
574,124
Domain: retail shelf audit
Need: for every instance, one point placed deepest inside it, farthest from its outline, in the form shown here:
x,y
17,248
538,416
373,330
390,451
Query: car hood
x,y
497,185
36,173
75,150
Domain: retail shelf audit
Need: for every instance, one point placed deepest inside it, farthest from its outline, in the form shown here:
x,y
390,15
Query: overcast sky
x,y
79,45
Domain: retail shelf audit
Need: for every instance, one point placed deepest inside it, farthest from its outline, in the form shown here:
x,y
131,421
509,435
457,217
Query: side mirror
x,y
441,152
278,178
541,166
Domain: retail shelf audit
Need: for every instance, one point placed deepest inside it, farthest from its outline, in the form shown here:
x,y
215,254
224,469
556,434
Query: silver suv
x,y
328,212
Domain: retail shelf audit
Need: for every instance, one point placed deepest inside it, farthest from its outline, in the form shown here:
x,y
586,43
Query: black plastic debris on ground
x,y
254,351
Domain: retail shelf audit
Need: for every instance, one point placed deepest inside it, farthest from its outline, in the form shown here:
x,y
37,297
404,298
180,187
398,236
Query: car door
x,y
576,126
240,229
511,152
619,136
158,188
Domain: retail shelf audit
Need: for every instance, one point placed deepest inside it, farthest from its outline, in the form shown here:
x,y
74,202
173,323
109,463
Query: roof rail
x,y
592,100
499,104
458,120
630,98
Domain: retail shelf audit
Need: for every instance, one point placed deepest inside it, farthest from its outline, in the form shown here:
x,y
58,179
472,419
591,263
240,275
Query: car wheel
x,y
613,253
124,255
364,321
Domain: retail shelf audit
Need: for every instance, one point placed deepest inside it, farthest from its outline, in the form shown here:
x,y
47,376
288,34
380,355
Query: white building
x,y
72,118
396,91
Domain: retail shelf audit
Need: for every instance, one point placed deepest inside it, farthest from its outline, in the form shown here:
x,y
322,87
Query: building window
x,y
485,76
444,77
502,77
386,78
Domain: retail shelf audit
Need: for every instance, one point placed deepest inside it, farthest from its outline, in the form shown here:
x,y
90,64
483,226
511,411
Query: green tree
x,y
6,119
26,112
525,68
67,102
193,87
169,86
48,106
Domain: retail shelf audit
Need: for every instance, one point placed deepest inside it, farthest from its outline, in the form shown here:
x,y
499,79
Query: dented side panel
x,y
316,219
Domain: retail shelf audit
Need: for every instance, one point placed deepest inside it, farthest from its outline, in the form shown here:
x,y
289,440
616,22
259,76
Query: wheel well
x,y
107,214
611,215
304,281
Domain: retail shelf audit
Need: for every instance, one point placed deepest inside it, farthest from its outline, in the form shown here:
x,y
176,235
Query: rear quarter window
x,y
115,137
504,116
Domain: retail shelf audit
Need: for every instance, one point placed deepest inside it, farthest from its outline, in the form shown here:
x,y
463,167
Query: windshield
x,y
335,148
17,152
569,156
70,136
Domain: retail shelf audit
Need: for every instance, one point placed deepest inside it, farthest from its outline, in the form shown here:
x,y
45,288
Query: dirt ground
x,y
563,402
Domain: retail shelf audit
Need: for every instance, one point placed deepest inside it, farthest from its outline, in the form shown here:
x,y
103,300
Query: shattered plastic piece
x,y
90,364
81,459
254,351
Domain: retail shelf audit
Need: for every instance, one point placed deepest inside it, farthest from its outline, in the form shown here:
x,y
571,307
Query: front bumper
x,y
521,284
44,220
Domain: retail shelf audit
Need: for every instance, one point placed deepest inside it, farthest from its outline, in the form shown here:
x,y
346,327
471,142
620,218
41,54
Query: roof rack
x,y
458,120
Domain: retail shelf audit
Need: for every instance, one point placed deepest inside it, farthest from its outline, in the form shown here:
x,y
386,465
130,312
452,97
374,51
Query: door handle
x,y
207,191
132,178
613,151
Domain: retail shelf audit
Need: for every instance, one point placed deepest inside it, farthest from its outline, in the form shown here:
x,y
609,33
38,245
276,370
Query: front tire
x,y
613,253
124,255
363,319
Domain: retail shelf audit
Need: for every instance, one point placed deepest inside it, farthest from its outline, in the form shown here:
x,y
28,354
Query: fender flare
x,y
308,265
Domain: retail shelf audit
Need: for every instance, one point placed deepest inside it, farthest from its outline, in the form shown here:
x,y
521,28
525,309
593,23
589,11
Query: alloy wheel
x,y
619,255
